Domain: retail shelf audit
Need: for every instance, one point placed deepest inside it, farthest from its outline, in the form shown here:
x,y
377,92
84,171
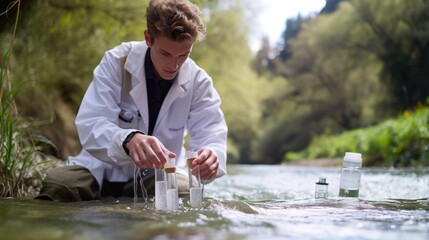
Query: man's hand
x,y
207,160
147,151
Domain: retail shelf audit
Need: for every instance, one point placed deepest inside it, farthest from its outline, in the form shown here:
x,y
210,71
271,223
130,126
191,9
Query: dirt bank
x,y
321,162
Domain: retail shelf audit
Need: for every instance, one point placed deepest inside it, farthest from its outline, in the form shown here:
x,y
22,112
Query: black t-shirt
x,y
157,89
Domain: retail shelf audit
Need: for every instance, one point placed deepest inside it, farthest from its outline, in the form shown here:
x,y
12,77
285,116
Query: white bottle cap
x,y
352,159
322,181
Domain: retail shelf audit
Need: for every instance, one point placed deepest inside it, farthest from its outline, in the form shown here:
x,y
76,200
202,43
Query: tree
x,y
57,46
226,56
60,42
261,61
366,61
331,86
399,37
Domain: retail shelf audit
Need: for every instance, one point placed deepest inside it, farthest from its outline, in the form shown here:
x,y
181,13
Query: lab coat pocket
x,y
128,119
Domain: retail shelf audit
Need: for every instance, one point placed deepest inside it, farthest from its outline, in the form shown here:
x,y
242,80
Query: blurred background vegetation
x,y
355,74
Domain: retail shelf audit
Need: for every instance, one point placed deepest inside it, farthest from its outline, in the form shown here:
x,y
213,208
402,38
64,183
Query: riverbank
x,y
320,162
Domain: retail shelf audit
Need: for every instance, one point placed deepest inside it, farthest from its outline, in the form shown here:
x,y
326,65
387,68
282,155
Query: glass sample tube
x,y
191,154
321,188
160,189
195,189
172,188
350,175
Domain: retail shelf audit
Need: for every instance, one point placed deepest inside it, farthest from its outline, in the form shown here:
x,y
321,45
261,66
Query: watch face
x,y
131,135
127,139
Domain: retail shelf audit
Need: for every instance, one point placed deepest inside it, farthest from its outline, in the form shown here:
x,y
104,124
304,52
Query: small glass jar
x,y
321,188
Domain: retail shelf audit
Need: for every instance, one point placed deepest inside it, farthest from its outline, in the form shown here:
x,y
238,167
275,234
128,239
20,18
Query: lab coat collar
x,y
135,66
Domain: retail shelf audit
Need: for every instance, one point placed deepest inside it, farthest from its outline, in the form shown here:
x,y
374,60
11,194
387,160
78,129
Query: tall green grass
x,y
399,142
22,165
14,149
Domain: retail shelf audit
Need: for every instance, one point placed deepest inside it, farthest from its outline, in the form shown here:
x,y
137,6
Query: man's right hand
x,y
147,151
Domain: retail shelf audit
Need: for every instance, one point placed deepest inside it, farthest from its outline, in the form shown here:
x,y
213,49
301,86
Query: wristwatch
x,y
128,138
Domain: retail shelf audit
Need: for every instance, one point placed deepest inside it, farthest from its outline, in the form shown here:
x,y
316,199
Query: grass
x,y
21,162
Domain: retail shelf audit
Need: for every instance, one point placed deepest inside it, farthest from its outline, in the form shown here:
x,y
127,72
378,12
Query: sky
x,y
273,14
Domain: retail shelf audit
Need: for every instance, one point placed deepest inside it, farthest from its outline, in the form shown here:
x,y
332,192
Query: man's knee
x,y
69,184
182,184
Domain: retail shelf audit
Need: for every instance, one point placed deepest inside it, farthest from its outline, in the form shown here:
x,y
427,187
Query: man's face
x,y
167,55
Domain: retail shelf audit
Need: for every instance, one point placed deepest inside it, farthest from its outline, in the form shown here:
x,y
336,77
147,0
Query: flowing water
x,y
251,202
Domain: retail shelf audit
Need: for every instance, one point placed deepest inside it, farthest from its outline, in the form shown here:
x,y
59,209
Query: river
x,y
251,202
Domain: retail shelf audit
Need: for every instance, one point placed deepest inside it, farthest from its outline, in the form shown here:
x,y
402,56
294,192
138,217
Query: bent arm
x,y
97,121
206,122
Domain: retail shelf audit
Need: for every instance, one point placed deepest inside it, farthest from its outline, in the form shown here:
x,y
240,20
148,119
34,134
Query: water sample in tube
x,y
160,189
172,188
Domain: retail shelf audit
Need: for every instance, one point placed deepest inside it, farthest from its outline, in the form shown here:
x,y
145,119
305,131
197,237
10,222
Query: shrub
x,y
403,141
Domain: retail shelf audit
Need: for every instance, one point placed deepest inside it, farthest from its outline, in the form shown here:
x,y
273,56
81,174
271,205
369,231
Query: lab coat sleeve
x,y
206,123
97,119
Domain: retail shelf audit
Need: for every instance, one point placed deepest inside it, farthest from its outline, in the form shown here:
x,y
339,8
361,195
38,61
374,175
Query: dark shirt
x,y
157,89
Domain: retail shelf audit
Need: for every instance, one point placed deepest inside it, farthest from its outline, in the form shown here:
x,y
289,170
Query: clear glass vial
x,y
172,188
160,189
321,188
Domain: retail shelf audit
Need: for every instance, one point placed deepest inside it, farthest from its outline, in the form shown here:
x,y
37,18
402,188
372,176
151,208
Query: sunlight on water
x,y
292,183
283,204
251,202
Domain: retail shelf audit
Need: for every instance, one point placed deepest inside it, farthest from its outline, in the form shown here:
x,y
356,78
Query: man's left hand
x,y
207,160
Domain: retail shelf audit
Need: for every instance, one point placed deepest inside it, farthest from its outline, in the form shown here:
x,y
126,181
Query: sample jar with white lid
x,y
350,175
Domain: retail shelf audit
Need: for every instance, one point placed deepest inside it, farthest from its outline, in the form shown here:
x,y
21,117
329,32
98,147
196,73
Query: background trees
x,y
350,68
353,65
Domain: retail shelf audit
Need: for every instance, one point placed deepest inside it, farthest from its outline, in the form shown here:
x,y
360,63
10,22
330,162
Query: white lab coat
x,y
191,106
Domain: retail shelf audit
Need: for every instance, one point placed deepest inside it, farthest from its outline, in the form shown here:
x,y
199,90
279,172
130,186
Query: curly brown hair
x,y
178,20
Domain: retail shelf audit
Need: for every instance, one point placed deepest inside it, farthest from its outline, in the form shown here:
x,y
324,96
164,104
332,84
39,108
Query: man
x,y
138,126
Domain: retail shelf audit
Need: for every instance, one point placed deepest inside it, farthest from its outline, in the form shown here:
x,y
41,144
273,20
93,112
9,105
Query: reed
x,y
15,147
21,163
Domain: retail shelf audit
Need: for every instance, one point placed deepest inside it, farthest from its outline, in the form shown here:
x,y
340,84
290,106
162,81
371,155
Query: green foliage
x,y
397,34
337,78
364,62
403,141
329,88
18,175
22,166
60,43
225,55
56,49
